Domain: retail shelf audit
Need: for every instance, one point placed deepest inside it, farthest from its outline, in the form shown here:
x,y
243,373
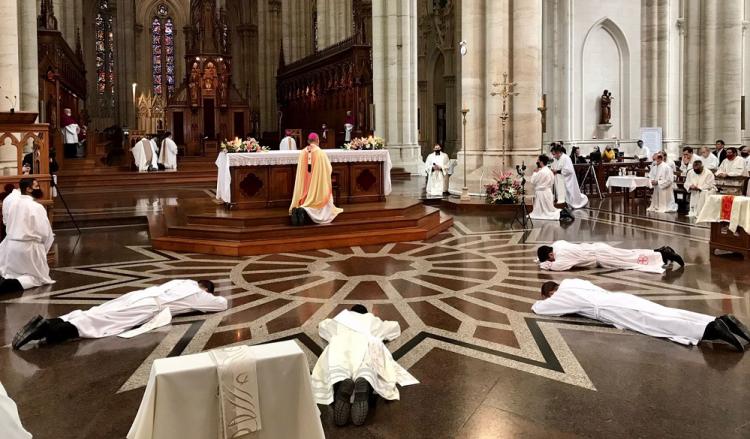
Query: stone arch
x,y
621,106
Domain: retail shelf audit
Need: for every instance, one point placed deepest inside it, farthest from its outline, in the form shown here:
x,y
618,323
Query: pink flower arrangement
x,y
504,188
239,145
366,143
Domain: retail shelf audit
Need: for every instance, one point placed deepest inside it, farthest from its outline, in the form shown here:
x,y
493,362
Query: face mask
x,y
698,171
437,152
745,154
37,193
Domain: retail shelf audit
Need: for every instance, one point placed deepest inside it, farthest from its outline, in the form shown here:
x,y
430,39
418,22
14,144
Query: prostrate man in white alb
x,y
642,151
710,161
573,196
544,202
145,156
436,167
701,184
168,152
23,252
288,143
732,166
627,311
357,361
564,255
10,421
662,178
152,307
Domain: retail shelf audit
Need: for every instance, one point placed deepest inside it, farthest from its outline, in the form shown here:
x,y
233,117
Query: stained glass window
x,y
162,52
105,42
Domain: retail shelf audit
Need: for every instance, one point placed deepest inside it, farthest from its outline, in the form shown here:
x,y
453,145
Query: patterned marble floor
x,y
488,366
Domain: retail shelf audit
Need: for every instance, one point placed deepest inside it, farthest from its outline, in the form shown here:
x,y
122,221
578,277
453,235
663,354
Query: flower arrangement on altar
x,y
365,143
504,189
239,145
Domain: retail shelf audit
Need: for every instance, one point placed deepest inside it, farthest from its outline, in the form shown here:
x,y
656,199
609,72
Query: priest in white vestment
x,y
564,255
23,252
710,161
732,166
288,143
627,311
662,178
559,181
10,421
144,155
701,184
573,196
154,304
70,131
357,360
436,167
168,152
544,202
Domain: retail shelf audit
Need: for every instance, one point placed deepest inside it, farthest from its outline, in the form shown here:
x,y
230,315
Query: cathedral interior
x,y
494,84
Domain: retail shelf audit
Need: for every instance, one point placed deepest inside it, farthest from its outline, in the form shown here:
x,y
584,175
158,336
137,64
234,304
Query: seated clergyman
x,y
127,311
627,311
356,362
564,255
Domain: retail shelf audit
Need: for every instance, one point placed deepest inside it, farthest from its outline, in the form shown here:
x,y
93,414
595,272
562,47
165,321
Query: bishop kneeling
x,y
436,166
313,190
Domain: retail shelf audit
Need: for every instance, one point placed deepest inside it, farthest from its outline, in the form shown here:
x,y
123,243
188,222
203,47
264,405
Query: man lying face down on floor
x,y
357,361
152,307
564,255
626,311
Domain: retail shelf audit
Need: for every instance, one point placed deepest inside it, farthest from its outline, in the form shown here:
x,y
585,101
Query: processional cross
x,y
505,93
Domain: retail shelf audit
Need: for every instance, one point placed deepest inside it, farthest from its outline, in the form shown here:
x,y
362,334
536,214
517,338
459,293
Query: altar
x,y
266,179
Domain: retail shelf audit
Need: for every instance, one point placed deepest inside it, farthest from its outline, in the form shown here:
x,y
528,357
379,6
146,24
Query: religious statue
x,y
195,80
605,103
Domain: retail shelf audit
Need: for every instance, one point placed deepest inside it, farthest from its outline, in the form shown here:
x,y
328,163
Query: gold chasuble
x,y
312,185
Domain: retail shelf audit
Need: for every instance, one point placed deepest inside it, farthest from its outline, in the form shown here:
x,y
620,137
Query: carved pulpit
x,y
207,108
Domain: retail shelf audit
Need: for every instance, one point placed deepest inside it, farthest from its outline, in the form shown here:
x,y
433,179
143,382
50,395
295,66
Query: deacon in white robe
x,y
288,143
23,252
564,255
356,350
573,196
157,303
436,167
627,311
10,421
559,181
662,178
710,161
542,179
732,166
168,152
144,154
701,184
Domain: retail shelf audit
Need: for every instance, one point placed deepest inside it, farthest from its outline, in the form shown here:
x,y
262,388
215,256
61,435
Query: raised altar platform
x,y
266,179
248,232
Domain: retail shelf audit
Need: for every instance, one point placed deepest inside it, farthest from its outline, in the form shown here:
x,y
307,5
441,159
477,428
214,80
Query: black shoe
x,y
361,404
718,330
341,402
31,331
664,259
736,326
672,256
293,217
303,217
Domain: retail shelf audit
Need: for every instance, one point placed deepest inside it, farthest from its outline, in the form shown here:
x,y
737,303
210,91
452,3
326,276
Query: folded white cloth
x,y
239,405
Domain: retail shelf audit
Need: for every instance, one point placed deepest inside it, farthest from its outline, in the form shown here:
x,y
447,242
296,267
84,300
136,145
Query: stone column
x,y
728,68
395,80
526,135
693,72
28,57
9,53
497,36
269,27
474,96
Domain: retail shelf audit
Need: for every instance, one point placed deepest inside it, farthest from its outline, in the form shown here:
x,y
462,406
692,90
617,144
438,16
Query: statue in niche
x,y
605,103
195,81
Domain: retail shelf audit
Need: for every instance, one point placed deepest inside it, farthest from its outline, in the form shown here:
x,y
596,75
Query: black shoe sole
x,y
728,336
361,404
26,333
341,403
736,326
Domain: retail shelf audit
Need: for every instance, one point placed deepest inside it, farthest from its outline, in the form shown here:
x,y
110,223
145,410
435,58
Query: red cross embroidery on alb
x,y
643,260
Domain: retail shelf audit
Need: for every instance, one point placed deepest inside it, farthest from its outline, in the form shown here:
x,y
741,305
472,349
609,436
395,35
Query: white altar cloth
x,y
630,182
226,161
181,398
739,216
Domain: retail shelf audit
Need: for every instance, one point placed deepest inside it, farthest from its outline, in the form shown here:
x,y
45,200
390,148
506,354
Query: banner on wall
x,y
651,137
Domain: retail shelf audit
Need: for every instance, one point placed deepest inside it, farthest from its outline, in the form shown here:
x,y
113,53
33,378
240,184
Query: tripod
x,y
67,209
592,172
522,212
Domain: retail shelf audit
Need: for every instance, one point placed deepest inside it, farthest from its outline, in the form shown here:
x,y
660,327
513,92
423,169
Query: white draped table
x,y
181,398
734,210
288,159
630,182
